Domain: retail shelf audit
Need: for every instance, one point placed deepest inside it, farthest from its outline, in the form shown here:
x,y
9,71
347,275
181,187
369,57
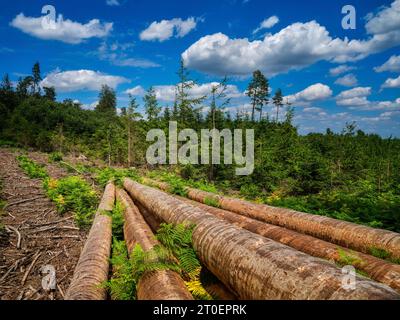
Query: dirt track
x,y
45,240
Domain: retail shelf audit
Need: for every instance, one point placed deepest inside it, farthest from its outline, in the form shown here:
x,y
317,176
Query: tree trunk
x,y
129,145
347,234
250,265
215,289
277,113
93,265
378,269
154,285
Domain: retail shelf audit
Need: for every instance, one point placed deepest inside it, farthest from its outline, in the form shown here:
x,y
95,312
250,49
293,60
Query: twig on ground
x,y
22,201
47,223
56,237
38,254
61,291
10,228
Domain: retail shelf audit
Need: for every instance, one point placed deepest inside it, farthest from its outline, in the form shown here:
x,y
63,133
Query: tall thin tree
x,y
258,92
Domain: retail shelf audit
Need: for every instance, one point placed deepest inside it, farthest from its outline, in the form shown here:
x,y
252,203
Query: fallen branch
x,y
71,167
55,237
22,201
10,228
47,223
38,254
61,291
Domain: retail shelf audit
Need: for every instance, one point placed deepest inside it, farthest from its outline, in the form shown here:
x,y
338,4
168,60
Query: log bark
x,y
217,289
158,284
377,269
346,234
253,266
92,268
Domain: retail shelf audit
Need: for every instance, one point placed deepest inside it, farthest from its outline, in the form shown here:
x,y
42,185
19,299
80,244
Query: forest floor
x,y
46,237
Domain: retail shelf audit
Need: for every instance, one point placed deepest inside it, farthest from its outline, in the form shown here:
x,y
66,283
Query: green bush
x,y
249,191
117,175
31,168
55,156
117,215
73,194
122,284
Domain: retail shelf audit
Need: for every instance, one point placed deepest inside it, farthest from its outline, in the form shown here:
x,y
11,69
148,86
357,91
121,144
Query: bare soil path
x,y
35,235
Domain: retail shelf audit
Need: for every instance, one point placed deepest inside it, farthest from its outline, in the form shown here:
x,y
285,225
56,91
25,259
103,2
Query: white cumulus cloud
x,y
136,91
292,48
340,69
312,93
165,29
392,83
349,80
386,20
393,64
357,99
77,80
64,30
267,23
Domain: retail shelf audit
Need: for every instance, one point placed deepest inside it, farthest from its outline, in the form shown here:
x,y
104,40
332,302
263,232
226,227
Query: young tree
x,y
216,115
219,101
7,94
6,84
289,112
258,92
131,115
278,102
151,107
107,101
23,86
50,93
36,78
187,105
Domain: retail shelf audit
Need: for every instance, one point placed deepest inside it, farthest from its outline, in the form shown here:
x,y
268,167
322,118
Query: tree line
x,y
351,174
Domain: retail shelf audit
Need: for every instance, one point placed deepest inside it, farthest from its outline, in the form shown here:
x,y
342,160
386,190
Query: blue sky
x,y
331,75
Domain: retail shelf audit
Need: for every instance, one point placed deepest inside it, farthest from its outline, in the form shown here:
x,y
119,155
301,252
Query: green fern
x,y
117,215
211,201
197,290
122,285
156,259
178,240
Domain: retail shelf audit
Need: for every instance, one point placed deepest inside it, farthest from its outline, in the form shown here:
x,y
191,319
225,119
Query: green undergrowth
x,y
121,285
178,240
347,258
102,176
127,271
117,216
175,253
383,254
179,185
210,201
73,194
32,169
55,156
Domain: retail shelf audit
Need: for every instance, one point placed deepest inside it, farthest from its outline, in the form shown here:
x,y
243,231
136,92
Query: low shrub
x,y
31,168
102,176
73,194
55,156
